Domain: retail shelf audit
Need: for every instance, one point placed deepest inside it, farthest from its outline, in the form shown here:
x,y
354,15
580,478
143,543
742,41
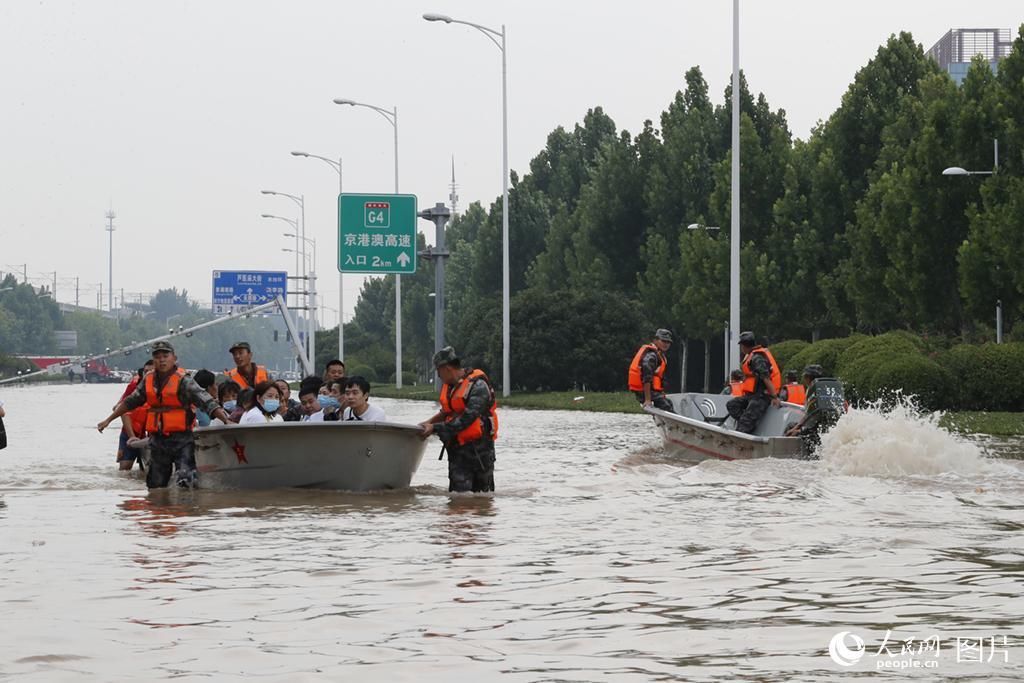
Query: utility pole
x,y
76,291
438,215
453,196
110,274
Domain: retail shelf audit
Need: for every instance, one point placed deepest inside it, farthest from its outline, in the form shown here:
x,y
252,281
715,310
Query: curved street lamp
x,y
498,38
336,165
391,116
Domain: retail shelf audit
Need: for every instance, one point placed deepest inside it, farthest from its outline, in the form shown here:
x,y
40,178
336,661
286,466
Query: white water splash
x,y
897,440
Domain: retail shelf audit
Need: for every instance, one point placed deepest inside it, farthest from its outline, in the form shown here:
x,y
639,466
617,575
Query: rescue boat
x,y
349,456
701,429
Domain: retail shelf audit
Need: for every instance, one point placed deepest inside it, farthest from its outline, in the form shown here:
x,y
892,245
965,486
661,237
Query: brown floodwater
x,y
598,559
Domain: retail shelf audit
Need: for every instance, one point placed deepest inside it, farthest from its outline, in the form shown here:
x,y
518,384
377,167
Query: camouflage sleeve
x,y
760,366
190,392
648,364
136,398
477,403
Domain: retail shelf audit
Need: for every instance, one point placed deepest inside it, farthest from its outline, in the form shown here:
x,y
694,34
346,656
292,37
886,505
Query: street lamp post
x,y
734,243
300,201
391,116
494,36
336,165
958,171
297,250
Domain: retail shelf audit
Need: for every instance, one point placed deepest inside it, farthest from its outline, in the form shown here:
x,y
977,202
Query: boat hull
x,y
349,456
688,435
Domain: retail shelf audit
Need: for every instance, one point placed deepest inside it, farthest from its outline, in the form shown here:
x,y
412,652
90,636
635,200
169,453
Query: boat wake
x,y
897,439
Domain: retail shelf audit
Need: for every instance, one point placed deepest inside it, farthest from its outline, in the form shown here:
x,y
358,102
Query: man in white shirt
x,y
308,403
357,395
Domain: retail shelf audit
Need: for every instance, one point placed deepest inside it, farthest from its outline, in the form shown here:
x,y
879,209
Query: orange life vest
x,y
736,388
260,376
750,381
166,413
636,382
453,404
138,415
795,393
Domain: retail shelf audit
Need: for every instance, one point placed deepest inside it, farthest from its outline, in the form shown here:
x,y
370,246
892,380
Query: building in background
x,y
959,46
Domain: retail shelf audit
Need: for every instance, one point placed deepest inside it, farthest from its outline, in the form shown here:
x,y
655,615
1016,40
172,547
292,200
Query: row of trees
x,y
29,319
853,229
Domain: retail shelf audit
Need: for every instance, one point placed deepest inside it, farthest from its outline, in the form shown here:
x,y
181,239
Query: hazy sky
x,y
177,113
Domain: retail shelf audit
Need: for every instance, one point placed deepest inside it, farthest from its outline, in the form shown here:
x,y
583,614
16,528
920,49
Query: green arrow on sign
x,y
377,233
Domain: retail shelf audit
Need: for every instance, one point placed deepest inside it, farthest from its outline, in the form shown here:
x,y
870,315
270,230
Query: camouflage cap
x,y
161,346
445,356
747,338
814,371
663,334
240,345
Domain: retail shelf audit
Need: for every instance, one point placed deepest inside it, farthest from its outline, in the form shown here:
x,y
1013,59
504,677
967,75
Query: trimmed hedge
x,y
824,353
917,375
986,376
784,352
363,371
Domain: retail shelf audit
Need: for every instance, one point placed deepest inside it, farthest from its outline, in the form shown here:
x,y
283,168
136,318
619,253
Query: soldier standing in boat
x,y
762,381
172,397
246,373
467,423
647,372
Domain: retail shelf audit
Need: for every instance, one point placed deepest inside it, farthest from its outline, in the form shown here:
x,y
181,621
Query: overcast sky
x,y
177,113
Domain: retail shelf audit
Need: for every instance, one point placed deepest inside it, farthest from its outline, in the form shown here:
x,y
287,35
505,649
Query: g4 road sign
x,y
377,233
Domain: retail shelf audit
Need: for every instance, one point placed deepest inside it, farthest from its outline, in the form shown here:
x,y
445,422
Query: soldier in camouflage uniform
x,y
467,423
172,397
760,390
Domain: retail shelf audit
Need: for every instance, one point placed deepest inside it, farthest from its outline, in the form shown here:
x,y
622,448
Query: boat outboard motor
x,y
824,406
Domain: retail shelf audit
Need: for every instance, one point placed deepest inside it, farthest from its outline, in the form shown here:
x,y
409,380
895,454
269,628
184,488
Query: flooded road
x,y
599,559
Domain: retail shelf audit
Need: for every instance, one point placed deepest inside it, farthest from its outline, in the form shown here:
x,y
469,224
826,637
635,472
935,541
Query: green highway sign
x,y
377,233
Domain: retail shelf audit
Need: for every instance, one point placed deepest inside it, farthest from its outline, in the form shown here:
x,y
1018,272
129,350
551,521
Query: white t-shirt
x,y
318,416
372,414
256,416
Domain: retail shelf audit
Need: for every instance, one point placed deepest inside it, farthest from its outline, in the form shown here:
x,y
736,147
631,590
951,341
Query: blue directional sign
x,y
236,291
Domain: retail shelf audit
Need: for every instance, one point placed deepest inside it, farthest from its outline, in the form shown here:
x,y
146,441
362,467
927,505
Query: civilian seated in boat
x,y
290,411
227,392
334,371
205,379
246,400
357,395
267,404
308,400
334,402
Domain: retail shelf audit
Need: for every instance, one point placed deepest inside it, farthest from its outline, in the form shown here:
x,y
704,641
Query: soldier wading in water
x,y
172,397
467,423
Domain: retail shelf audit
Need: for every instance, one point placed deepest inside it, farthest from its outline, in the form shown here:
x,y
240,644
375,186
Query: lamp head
x,y
955,170
430,16
267,215
267,192
299,154
339,100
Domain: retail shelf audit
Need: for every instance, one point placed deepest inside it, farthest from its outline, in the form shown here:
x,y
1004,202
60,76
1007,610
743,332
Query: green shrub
x,y
784,352
824,353
882,346
362,371
408,378
916,375
986,376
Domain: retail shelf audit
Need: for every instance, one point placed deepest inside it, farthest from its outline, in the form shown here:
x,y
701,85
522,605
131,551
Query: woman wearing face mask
x,y
267,404
332,402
